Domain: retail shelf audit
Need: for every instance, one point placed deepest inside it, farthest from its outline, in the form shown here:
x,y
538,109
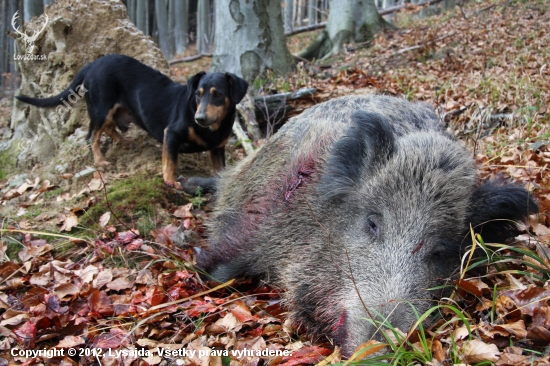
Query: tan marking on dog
x,y
224,142
212,90
110,128
169,167
201,92
218,113
217,162
195,138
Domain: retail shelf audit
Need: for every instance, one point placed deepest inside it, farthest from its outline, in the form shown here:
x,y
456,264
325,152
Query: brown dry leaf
x,y
70,342
30,252
474,351
11,194
104,219
367,349
242,312
25,187
103,277
87,274
197,345
184,212
120,284
95,184
230,323
509,359
515,328
66,289
474,286
70,221
395,339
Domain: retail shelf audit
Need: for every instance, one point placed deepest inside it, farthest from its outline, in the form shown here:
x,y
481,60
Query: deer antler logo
x,y
29,40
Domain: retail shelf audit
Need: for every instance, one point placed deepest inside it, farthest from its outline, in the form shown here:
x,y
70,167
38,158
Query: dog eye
x,y
198,94
216,94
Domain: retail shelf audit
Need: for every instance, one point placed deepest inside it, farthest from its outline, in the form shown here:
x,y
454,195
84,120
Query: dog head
x,y
215,95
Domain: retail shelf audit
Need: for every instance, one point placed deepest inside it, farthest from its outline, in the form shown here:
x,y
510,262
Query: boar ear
x,y
367,144
497,207
193,83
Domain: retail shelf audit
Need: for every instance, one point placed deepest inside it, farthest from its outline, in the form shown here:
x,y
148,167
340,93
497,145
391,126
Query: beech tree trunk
x,y
348,21
33,8
249,38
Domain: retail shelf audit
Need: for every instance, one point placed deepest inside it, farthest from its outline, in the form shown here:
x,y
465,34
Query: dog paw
x,y
175,185
103,163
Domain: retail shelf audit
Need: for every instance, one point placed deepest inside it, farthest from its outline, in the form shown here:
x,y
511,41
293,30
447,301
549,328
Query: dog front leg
x,y
170,148
217,155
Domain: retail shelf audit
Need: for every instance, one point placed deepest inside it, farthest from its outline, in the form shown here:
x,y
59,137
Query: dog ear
x,y
193,83
238,87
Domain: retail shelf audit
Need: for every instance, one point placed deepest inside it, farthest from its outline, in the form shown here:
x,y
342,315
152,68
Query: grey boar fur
x,y
370,188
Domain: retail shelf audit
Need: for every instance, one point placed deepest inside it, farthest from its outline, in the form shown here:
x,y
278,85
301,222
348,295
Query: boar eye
x,y
372,227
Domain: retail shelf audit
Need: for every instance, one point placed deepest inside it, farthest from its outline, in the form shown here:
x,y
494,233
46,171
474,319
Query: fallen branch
x,y
188,59
307,28
241,135
403,50
396,8
300,93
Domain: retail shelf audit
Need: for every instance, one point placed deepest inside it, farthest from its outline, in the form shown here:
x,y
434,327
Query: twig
x,y
188,59
396,8
241,135
421,45
307,28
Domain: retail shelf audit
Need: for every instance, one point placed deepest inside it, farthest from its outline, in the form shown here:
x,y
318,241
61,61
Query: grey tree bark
x,y
249,38
289,7
203,41
312,12
165,41
33,8
142,15
181,26
348,21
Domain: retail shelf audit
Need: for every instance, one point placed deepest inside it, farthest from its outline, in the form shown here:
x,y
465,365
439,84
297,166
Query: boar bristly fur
x,y
356,208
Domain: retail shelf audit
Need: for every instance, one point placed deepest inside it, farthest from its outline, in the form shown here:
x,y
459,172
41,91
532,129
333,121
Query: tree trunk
x,y
203,43
181,8
249,38
141,16
288,15
33,8
312,12
165,41
348,21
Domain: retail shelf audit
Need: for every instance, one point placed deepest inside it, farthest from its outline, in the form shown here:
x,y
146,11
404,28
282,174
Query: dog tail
x,y
58,99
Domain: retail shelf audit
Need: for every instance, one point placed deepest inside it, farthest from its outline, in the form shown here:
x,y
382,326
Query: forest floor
x,y
106,262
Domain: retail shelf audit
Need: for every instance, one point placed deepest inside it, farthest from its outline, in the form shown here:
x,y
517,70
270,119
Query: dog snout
x,y
200,118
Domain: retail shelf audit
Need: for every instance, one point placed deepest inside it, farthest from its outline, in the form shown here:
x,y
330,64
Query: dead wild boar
x,y
358,202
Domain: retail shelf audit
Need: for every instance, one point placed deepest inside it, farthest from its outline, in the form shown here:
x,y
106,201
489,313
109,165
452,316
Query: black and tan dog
x,y
120,90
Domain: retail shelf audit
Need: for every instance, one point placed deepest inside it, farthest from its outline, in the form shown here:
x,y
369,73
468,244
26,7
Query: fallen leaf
x,y
104,219
474,351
